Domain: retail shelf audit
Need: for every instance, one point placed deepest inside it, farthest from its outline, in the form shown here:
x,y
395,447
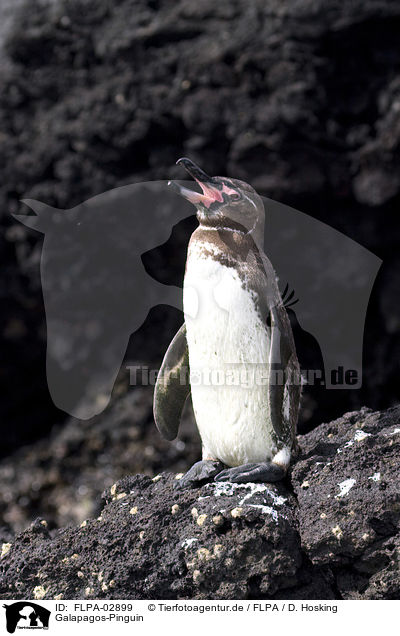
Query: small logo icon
x,y
26,615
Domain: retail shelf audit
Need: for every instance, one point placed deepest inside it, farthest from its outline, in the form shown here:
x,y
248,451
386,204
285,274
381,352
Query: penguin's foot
x,y
198,473
266,471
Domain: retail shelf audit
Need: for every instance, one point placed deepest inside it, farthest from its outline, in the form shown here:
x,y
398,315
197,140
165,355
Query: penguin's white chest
x,y
228,348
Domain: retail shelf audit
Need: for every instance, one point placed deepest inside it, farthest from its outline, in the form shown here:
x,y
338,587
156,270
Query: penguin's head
x,y
223,203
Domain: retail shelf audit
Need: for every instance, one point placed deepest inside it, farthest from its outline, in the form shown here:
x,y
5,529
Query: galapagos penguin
x,y
235,352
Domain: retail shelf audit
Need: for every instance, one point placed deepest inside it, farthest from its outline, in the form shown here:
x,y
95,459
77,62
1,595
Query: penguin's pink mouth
x,y
210,195
212,192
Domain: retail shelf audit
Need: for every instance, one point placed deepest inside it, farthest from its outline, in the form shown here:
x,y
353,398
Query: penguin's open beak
x,y
209,185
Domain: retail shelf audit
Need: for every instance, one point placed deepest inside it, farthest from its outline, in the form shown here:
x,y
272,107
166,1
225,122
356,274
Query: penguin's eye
x,y
235,197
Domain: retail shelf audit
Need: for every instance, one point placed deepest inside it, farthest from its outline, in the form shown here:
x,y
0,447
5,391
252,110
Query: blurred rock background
x,y
299,98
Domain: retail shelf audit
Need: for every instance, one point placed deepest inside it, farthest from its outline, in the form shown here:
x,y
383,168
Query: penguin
x,y
235,352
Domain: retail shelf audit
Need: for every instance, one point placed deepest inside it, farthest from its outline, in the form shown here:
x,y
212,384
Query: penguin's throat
x,y
220,222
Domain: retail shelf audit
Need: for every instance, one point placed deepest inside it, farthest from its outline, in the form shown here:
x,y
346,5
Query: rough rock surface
x,y
62,477
347,485
299,98
330,531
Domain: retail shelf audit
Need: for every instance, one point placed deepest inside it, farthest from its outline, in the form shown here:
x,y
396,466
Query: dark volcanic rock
x,y
154,542
330,531
62,477
347,485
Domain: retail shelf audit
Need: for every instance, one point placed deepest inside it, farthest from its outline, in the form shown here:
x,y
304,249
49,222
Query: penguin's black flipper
x,y
284,389
287,384
172,386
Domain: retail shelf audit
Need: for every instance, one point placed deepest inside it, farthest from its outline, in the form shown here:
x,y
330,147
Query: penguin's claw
x,y
266,471
199,473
